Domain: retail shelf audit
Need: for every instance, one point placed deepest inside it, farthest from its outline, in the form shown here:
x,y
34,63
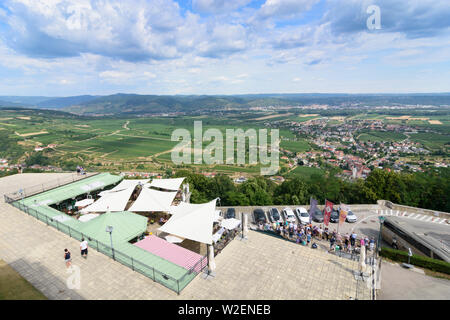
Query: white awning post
x,y
362,259
211,261
244,217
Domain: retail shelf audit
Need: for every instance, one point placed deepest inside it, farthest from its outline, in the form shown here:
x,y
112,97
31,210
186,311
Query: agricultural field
x,y
432,140
378,136
298,146
302,171
109,143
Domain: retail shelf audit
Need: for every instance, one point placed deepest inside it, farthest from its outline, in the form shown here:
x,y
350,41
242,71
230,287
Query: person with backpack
x,y
67,258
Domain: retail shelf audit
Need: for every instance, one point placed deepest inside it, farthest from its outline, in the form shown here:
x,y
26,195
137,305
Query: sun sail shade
x,y
217,216
192,221
167,184
124,184
230,224
153,200
173,239
113,202
84,202
126,226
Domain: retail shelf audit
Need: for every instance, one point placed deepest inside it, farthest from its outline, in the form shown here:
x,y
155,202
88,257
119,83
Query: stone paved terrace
x,y
264,267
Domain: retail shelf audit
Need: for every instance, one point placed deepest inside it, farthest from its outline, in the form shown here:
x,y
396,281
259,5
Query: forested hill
x,y
133,104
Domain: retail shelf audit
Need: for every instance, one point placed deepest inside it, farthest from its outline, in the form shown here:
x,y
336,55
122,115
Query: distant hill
x,y
46,102
133,104
57,103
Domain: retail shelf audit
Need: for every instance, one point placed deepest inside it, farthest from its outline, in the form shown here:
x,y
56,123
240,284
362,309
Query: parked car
x,y
302,215
274,215
259,216
317,216
289,215
351,217
231,213
334,216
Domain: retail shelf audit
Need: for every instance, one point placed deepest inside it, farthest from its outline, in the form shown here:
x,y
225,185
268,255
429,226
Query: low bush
x,y
419,261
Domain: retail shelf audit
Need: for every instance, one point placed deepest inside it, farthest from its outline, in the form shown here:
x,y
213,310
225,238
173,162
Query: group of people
x,y
84,252
305,234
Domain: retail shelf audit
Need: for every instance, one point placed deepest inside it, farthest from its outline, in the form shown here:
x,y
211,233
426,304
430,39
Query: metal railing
x,y
174,284
36,189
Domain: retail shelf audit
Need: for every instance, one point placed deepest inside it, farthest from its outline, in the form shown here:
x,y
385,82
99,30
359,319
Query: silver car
x,y
351,218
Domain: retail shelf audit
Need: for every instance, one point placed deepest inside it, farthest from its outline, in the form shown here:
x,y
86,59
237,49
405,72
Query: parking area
x,y
367,223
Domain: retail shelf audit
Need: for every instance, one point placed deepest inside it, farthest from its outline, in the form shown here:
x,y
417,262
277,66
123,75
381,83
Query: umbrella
x,y
173,239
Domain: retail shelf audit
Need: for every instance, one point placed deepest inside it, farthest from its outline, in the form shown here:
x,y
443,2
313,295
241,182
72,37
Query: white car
x,y
302,215
289,215
351,217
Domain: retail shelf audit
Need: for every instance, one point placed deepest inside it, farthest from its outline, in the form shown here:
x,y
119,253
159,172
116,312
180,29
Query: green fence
x,y
176,285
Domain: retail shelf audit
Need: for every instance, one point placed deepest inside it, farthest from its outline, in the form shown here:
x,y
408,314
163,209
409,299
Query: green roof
x,y
126,226
73,190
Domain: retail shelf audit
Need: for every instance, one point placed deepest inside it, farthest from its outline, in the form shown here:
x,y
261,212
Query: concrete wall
x,y
403,245
402,208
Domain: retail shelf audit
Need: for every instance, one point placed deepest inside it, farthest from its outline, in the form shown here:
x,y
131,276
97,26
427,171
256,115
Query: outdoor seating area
x,y
87,210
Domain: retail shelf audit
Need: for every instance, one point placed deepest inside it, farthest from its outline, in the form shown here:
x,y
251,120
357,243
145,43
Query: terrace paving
x,y
263,267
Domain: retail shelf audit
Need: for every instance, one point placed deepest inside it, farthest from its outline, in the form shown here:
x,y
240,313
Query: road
x,y
398,283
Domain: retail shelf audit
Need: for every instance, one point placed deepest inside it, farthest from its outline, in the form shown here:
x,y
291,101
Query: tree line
x,y
429,190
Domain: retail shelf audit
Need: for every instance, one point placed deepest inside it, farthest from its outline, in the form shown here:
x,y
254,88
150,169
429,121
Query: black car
x,y
231,213
334,217
259,216
274,215
317,216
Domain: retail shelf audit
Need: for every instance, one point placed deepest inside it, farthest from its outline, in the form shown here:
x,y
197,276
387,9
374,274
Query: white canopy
x,y
123,185
84,202
116,201
217,216
173,239
153,200
168,184
87,217
230,224
216,236
192,221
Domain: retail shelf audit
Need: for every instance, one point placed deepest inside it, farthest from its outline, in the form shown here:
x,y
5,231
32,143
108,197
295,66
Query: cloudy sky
x,y
73,47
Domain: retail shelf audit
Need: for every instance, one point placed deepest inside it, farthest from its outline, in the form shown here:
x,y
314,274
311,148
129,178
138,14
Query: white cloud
x,y
218,6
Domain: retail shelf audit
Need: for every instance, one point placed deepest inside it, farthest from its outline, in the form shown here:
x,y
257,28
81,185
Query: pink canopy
x,y
171,252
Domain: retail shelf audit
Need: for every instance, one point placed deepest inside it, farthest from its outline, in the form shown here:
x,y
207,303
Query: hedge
x,y
420,261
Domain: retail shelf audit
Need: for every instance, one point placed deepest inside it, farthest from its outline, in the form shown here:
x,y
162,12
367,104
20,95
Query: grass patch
x,y
14,287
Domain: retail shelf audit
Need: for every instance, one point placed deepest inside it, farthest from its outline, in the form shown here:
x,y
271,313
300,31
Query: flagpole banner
x,y
327,214
342,214
312,208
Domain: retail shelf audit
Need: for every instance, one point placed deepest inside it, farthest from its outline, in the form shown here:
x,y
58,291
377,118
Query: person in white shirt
x,y
84,248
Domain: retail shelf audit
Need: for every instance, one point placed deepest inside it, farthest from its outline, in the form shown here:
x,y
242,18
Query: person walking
x,y
332,242
353,239
372,244
84,248
67,258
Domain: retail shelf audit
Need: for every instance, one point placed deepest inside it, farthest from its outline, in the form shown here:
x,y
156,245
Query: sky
x,y
99,47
